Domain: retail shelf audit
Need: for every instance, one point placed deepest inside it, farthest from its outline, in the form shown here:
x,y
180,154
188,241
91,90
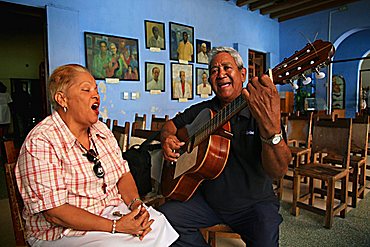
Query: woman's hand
x,y
136,223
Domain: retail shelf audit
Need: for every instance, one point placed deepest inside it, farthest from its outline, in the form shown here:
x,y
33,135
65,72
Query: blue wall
x,y
218,21
349,32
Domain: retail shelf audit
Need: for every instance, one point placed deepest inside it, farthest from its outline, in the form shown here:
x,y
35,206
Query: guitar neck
x,y
312,57
219,120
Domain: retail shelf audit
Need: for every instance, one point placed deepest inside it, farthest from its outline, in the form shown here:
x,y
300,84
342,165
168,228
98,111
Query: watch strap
x,y
270,140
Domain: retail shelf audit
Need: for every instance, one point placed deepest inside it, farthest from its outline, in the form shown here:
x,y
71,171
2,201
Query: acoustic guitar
x,y
207,138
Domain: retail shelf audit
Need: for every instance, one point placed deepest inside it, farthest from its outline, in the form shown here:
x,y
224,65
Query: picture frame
x,y
155,35
203,87
338,92
202,49
121,59
177,35
155,76
177,70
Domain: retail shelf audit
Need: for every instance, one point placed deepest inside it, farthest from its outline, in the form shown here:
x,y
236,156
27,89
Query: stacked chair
x,y
329,138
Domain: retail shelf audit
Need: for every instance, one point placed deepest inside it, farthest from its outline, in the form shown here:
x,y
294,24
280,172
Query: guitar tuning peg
x,y
294,86
306,80
319,74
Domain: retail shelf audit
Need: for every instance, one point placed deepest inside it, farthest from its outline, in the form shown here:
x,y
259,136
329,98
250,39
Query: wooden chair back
x,y
140,121
121,133
360,132
332,137
107,122
299,129
15,199
158,122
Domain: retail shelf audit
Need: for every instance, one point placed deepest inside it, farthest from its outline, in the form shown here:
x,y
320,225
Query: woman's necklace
x,y
93,156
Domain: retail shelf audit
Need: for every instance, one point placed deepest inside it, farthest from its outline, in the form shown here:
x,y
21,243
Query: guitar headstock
x,y
313,56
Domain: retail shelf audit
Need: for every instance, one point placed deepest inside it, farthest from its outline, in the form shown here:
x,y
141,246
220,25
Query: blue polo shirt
x,y
243,180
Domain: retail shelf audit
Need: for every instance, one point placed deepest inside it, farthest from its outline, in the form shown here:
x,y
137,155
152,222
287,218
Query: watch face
x,y
276,139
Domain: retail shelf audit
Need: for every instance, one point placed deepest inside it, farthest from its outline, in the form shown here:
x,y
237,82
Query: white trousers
x,y
161,235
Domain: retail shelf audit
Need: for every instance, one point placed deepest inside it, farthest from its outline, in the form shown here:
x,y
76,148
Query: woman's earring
x,y
65,109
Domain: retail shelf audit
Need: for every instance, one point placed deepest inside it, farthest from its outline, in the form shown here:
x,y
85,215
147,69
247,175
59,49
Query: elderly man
x,y
241,195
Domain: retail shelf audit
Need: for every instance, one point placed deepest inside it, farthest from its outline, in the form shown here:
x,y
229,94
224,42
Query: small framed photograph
x,y
182,81
181,42
154,77
154,35
204,88
110,56
203,47
338,92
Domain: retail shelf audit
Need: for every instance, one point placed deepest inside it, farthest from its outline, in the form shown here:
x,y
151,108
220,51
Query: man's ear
x,y
60,98
243,74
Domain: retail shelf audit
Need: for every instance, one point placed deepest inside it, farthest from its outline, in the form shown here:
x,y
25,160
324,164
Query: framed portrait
x,y
181,81
154,35
110,56
154,76
203,47
338,92
204,88
181,42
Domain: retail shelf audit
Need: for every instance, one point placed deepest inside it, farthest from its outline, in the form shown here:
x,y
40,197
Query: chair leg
x,y
311,189
344,195
329,214
355,187
362,181
296,193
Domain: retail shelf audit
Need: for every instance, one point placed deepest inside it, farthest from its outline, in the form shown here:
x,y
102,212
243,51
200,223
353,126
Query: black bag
x,y
139,161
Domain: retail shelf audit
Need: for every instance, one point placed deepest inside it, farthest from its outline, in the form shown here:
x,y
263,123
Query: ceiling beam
x,y
241,3
260,4
278,6
305,7
313,9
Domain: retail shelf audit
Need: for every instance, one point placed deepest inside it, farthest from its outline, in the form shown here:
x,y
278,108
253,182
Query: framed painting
x,y
181,42
338,92
203,47
182,81
154,76
110,56
204,88
154,35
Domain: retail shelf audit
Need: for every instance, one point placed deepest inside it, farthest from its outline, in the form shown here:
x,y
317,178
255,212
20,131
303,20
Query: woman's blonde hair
x,y
61,78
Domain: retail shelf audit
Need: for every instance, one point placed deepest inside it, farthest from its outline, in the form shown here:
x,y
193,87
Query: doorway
x,y
23,59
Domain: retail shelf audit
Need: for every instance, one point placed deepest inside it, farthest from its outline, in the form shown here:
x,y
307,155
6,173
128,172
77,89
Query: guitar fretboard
x,y
219,120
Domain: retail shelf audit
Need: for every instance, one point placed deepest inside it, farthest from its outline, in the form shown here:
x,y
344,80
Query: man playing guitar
x,y
241,195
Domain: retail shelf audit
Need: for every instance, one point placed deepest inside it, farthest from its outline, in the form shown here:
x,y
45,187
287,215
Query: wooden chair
x,y
121,133
107,122
328,138
154,198
15,199
140,121
220,230
158,122
358,158
299,137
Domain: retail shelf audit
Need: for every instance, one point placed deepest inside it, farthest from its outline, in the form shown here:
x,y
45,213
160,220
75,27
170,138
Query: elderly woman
x,y
77,189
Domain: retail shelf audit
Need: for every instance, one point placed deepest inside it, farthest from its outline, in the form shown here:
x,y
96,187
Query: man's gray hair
x,y
238,59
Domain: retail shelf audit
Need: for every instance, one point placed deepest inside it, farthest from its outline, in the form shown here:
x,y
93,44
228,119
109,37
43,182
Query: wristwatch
x,y
275,139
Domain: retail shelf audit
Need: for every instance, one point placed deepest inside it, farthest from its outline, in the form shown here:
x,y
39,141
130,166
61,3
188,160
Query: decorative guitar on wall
x,y
207,138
